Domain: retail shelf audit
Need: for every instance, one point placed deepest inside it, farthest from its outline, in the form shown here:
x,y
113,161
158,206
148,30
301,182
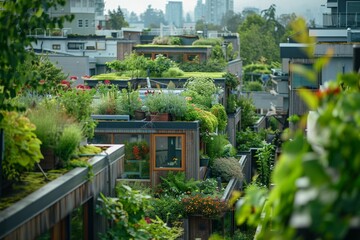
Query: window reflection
x,y
168,152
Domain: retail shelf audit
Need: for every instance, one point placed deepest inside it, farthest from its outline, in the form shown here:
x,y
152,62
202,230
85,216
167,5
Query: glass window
x,y
86,23
137,156
56,47
169,152
80,23
75,46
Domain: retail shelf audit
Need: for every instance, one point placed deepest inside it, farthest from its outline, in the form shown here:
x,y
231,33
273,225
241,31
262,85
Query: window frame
x,y
153,153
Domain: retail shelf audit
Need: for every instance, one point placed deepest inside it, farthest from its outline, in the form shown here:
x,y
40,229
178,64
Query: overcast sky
x,y
312,8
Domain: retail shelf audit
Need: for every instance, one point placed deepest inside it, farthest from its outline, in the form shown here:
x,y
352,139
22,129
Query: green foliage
x,y
14,44
231,105
172,103
209,66
219,146
231,80
219,111
47,76
116,19
167,208
175,184
208,121
78,104
248,114
265,163
129,101
127,213
50,119
321,184
160,65
250,205
201,90
253,87
173,72
227,168
22,148
259,38
68,142
208,41
247,139
253,71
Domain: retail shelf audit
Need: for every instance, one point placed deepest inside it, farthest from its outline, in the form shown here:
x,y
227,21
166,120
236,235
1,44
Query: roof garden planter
x,y
56,200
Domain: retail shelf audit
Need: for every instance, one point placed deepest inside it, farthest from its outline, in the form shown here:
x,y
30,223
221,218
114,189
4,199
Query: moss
x,y
30,182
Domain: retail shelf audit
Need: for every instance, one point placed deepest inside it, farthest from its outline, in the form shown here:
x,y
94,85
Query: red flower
x,y
106,82
82,87
148,220
73,77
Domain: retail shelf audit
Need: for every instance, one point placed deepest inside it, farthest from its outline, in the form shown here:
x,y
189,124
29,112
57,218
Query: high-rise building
x,y
216,9
199,13
174,13
88,15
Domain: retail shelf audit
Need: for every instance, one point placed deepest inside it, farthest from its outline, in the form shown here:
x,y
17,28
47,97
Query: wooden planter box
x,y
46,207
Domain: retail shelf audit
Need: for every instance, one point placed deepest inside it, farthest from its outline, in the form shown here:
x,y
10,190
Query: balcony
x,y
341,20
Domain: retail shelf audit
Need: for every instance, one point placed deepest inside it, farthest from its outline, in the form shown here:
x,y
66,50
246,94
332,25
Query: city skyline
x,y
305,8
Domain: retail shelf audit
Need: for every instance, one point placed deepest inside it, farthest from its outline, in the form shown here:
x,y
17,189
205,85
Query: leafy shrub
x,y
231,80
265,162
219,146
248,139
175,184
167,208
253,87
22,148
219,111
160,102
200,90
248,112
128,216
231,103
227,168
208,121
173,72
208,41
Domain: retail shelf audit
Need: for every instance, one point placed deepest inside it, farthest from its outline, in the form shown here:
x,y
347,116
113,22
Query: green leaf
x,y
309,98
314,169
39,12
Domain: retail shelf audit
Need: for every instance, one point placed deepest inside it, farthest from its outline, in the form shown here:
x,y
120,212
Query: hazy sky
x,y
303,7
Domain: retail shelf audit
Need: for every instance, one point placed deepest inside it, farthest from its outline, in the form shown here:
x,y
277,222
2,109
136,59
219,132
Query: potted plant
x,y
52,123
164,105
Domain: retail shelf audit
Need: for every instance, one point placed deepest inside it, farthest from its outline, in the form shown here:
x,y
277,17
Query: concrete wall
x,y
72,65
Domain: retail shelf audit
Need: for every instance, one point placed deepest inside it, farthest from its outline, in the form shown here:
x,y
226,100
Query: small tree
x,y
116,19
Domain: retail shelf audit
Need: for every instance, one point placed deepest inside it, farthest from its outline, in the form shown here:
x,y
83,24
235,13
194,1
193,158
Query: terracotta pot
x,y
157,117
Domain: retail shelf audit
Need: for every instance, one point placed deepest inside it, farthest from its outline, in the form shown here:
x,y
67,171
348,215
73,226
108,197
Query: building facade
x,y
216,9
88,15
174,13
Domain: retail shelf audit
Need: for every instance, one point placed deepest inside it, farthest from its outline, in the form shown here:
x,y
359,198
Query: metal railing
x,y
341,20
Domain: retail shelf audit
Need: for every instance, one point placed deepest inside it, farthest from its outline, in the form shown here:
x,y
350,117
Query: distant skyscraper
x,y
174,13
199,13
216,9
